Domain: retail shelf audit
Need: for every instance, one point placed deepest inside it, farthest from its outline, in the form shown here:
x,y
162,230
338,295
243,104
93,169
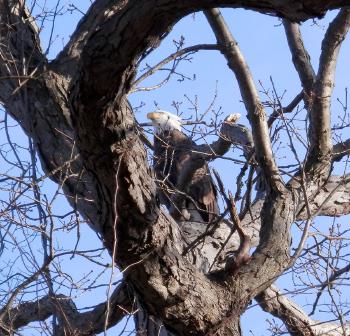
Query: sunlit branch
x,y
300,56
341,149
256,113
25,313
242,254
296,320
319,131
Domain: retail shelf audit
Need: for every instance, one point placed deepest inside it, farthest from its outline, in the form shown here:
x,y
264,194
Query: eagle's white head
x,y
164,121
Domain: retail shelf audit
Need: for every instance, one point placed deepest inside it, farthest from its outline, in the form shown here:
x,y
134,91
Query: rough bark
x,y
249,93
300,56
70,321
297,321
320,151
76,111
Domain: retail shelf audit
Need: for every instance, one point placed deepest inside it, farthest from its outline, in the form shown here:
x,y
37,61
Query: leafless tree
x,y
179,278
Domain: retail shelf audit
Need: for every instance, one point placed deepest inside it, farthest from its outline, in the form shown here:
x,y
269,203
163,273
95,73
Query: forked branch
x,y
319,109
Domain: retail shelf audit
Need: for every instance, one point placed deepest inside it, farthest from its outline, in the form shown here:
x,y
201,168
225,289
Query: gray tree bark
x,y
76,111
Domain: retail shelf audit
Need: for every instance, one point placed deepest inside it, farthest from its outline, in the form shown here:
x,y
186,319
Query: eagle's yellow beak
x,y
153,115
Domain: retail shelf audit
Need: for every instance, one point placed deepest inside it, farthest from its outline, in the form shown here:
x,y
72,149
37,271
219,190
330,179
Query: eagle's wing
x,y
172,151
203,191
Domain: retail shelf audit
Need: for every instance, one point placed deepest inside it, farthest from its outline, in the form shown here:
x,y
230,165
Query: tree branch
x,y
26,313
52,132
329,282
81,97
93,322
288,109
336,191
300,56
296,320
104,14
171,57
272,253
70,320
256,113
341,149
319,130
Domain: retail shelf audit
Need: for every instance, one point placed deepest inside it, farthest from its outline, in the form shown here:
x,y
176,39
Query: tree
x,y
83,129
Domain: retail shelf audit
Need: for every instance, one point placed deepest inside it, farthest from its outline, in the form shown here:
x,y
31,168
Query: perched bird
x,y
172,149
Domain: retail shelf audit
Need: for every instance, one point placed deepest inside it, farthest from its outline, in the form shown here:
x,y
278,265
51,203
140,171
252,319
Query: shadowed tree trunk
x,y
76,111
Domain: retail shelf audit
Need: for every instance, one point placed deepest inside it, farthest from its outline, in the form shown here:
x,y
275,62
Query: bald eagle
x,y
172,148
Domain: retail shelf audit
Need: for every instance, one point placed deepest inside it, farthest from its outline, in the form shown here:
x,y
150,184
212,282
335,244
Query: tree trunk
x,y
149,325
76,111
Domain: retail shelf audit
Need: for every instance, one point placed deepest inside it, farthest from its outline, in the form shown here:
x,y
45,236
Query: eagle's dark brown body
x,y
171,150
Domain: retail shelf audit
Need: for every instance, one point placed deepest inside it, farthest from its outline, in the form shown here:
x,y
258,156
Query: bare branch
x,y
104,15
242,254
319,131
70,320
26,313
288,109
20,287
120,304
336,274
256,113
341,149
296,320
52,133
300,56
171,57
336,193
